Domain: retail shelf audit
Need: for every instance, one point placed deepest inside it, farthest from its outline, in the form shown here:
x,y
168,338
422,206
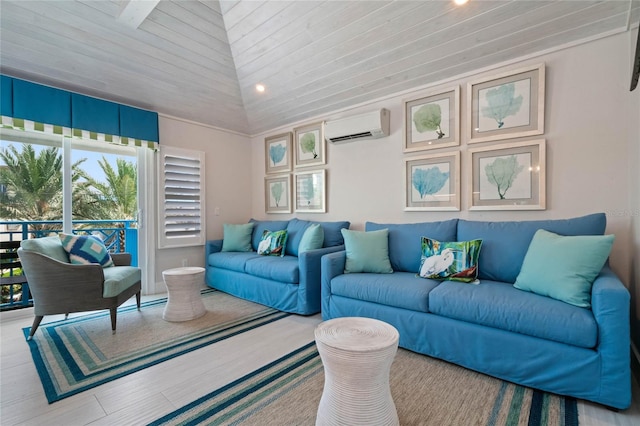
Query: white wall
x,y
228,184
634,199
588,135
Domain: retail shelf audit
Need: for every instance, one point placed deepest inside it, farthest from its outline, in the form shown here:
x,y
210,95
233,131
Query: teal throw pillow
x,y
273,243
86,249
237,237
367,251
564,267
312,239
453,261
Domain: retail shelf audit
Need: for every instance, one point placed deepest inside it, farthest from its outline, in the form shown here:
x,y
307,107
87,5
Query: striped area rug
x,y
426,391
77,354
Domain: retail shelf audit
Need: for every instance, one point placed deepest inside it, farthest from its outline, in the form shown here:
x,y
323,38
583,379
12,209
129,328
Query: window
x,y
181,217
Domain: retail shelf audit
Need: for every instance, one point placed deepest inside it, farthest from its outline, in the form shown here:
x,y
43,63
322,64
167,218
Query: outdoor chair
x,y
60,287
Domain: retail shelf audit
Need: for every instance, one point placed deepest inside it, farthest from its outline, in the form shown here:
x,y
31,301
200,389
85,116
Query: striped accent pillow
x,y
86,249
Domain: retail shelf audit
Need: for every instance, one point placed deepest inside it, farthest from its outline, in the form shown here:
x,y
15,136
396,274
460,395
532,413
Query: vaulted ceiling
x,y
200,60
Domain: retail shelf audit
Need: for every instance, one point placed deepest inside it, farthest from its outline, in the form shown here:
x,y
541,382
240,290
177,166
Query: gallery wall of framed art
x,y
502,170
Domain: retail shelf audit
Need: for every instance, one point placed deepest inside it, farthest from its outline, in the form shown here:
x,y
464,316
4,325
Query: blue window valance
x,y
28,105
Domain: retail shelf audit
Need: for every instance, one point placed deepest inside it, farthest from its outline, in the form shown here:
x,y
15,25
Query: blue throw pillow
x,y
367,251
237,237
86,249
454,261
564,267
273,243
312,239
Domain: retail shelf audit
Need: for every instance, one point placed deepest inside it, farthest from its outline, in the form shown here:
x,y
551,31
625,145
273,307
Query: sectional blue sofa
x,y
493,327
290,283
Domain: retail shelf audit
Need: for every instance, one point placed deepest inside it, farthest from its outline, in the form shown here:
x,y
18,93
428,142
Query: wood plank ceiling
x,y
200,60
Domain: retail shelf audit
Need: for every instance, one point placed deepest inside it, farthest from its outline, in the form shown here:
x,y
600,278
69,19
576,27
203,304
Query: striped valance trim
x,y
27,125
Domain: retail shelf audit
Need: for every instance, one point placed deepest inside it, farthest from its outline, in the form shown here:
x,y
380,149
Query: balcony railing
x,y
118,236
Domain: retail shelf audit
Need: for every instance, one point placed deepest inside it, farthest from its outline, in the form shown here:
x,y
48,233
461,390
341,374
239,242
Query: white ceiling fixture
x,y
134,12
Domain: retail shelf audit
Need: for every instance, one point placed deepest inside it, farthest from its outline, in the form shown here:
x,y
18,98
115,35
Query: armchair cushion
x,y
117,280
86,249
49,246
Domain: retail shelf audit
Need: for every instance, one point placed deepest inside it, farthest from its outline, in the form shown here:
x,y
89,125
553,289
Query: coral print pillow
x,y
273,243
455,261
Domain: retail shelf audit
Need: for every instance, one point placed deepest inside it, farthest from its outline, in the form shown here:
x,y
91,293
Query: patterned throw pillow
x,y
273,243
455,261
86,249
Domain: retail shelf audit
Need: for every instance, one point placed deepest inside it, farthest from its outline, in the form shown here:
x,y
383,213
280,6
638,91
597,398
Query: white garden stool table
x,y
183,286
356,354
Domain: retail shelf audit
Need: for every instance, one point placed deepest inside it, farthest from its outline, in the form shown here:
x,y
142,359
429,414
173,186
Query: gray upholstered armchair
x,y
59,287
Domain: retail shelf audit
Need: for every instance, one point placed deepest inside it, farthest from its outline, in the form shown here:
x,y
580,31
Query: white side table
x,y
357,354
183,286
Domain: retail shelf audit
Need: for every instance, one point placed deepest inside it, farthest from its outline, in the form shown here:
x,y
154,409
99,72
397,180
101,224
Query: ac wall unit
x,y
371,125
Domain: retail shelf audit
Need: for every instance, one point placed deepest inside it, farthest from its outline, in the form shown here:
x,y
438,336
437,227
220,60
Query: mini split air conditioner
x,y
370,125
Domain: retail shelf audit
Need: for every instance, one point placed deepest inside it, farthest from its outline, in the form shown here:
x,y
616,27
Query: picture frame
x,y
309,145
277,194
432,120
508,176
310,191
507,105
432,182
278,153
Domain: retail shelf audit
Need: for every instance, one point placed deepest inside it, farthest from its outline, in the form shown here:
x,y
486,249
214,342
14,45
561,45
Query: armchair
x,y
59,287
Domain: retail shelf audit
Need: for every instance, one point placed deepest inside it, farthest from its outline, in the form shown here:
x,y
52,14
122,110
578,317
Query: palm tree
x,y
118,195
32,184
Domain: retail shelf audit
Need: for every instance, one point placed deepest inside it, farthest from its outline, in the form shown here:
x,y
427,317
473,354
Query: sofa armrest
x,y
121,259
610,303
332,266
211,246
309,264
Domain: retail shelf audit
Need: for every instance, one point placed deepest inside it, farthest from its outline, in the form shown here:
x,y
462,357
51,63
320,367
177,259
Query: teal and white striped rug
x,y
80,353
426,391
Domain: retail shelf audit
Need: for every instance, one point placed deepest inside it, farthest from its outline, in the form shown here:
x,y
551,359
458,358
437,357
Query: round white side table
x,y
356,354
183,286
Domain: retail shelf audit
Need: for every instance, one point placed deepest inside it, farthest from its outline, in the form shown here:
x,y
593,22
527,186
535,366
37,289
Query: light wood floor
x,y
144,396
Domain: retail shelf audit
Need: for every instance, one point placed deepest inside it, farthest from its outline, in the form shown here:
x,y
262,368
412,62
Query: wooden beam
x,y
134,12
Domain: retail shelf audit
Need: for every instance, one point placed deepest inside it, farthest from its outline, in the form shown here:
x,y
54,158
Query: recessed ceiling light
x,y
260,87
460,2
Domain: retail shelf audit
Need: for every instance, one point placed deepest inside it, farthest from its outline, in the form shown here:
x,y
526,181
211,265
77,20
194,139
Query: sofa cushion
x,y
564,267
401,290
259,226
295,229
118,279
283,269
500,305
405,249
85,250
332,234
312,239
504,244
49,246
273,243
367,251
450,260
231,260
237,237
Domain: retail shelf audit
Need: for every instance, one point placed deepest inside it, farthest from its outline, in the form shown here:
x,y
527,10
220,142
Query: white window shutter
x,y
181,205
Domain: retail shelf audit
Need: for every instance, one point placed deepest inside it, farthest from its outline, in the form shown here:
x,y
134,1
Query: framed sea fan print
x,y
310,191
432,182
431,121
277,194
278,153
309,145
507,105
508,176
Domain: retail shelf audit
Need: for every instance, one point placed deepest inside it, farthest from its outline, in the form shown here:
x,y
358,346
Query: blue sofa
x,y
493,327
290,283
